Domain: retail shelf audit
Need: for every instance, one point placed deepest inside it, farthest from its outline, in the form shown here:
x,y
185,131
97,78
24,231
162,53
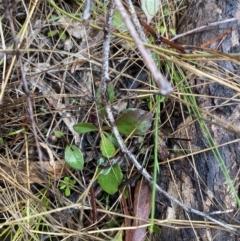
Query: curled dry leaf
x,y
74,28
68,44
120,106
50,154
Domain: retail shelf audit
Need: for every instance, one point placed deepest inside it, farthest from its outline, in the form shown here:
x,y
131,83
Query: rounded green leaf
x,y
58,134
66,179
84,128
107,147
109,182
67,192
74,157
112,138
135,120
72,181
118,22
52,33
62,186
150,8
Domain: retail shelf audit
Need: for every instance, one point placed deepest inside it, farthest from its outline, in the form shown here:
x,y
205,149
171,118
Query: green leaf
x,y
52,33
118,22
119,236
150,8
111,93
111,96
72,181
12,133
106,147
66,179
172,31
113,139
74,157
62,35
109,182
62,186
166,11
84,128
58,134
156,230
100,161
131,119
116,222
105,171
67,191
162,30
1,140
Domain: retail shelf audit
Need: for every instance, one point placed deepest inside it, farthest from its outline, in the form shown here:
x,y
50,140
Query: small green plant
x,y
60,32
12,133
66,185
73,155
129,122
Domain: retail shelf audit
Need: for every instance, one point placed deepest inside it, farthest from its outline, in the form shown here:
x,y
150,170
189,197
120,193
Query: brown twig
x,y
93,204
139,22
135,19
159,38
216,38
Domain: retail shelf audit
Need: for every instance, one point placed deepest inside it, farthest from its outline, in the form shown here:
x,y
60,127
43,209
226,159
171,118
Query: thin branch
x,y
106,49
204,27
164,86
136,22
139,23
87,10
105,77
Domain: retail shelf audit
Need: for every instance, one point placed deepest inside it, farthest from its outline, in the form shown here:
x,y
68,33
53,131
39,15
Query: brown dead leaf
x,y
141,209
74,28
50,154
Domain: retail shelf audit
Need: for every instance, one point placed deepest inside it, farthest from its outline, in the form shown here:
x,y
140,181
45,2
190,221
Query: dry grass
x,y
63,86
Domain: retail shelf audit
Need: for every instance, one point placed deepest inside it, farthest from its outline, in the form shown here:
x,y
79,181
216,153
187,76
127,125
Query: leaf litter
x,y
65,101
